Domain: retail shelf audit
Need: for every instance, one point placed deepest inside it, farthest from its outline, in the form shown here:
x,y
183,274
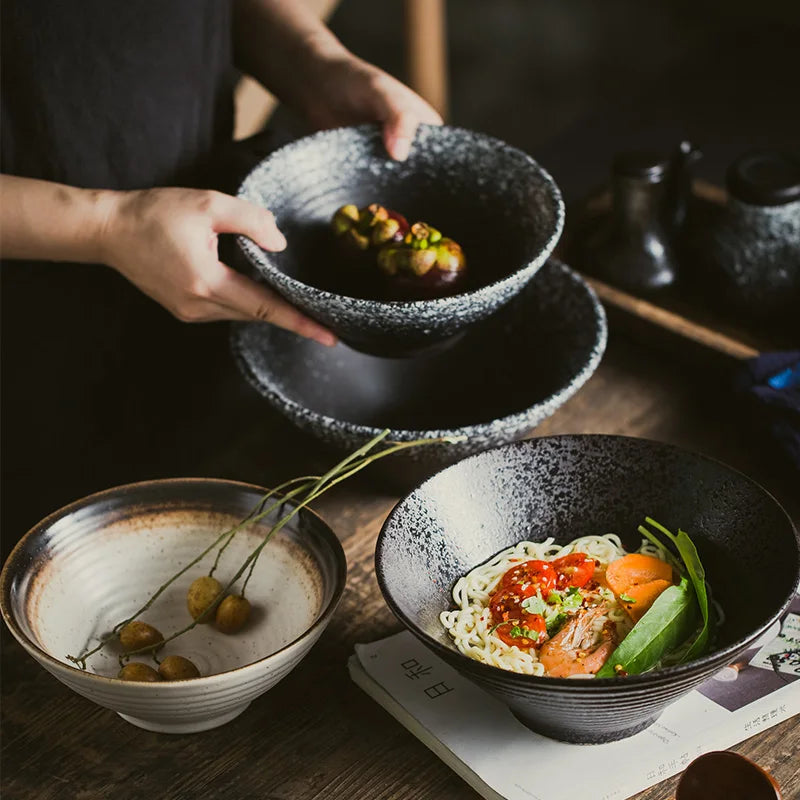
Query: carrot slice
x,y
634,569
639,597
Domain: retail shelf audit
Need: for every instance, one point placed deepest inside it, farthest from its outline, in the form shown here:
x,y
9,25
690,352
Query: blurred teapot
x,y
635,248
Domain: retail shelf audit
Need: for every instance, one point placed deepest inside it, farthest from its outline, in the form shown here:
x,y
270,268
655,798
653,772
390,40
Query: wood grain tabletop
x,y
316,734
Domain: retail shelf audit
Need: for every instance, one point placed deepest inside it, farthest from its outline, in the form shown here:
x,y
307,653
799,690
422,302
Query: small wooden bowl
x,y
722,773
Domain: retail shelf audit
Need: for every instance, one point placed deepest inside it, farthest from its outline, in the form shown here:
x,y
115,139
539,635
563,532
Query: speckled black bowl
x,y
495,200
493,385
571,486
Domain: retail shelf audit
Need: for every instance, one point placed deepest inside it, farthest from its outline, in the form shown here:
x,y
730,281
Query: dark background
x,y
574,81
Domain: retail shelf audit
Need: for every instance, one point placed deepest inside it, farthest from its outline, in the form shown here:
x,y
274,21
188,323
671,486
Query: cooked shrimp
x,y
578,650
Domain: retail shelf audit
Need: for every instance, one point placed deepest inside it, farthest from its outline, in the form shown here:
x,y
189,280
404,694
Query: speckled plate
x,y
493,385
495,200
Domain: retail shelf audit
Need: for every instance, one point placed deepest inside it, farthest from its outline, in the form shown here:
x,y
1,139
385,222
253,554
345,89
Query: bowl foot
x,y
188,726
402,348
576,736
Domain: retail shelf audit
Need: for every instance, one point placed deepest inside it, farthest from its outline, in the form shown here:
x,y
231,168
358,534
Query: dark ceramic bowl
x,y
495,200
571,486
494,385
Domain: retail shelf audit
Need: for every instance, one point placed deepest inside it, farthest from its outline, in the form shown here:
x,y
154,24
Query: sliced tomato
x,y
506,602
539,574
517,633
576,569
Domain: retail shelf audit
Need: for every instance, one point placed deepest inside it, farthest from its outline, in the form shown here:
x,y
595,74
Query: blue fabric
x,y
788,378
772,380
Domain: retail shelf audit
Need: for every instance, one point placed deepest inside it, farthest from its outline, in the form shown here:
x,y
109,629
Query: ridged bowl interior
x,y
496,201
93,564
571,486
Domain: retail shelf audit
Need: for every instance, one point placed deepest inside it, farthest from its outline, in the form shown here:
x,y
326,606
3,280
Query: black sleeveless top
x,y
117,94
96,377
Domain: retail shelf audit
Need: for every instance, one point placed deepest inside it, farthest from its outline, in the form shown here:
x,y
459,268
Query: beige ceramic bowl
x,y
95,562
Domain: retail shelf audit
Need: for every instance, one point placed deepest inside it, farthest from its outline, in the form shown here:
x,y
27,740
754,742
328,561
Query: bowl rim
x,y
55,665
657,676
296,411
261,259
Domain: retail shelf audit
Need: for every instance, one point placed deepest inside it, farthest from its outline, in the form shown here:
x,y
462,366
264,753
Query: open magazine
x,y
501,759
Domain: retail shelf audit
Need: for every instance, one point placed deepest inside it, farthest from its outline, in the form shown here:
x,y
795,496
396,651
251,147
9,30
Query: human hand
x,y
345,90
165,242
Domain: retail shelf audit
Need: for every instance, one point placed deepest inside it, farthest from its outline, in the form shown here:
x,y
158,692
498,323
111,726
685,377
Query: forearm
x,y
277,41
52,222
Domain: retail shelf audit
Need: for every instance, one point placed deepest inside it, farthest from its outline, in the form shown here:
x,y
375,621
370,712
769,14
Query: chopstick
x,y
670,321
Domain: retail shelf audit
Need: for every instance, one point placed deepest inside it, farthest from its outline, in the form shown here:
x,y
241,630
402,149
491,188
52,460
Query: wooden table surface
x,y
316,735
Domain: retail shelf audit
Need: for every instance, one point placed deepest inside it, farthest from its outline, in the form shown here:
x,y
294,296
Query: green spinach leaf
x,y
697,574
667,623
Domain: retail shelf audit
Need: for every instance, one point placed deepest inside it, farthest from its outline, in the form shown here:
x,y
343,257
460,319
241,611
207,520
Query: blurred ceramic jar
x,y
752,245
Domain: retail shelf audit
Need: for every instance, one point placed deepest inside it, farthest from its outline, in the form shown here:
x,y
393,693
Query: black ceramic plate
x,y
571,486
493,385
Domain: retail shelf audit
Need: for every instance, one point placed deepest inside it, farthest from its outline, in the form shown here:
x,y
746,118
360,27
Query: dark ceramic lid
x,y
647,165
764,178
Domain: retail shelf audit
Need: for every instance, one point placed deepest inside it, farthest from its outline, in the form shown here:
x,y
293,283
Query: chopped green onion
x,y
574,598
535,605
556,623
518,632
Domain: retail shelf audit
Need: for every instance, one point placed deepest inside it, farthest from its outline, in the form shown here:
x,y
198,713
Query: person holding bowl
x,y
112,113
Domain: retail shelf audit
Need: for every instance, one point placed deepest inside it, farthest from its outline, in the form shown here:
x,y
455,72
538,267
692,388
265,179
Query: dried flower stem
x,y
309,488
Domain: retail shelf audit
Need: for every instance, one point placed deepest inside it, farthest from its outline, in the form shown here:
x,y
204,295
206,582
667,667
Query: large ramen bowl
x,y
493,199
94,563
571,486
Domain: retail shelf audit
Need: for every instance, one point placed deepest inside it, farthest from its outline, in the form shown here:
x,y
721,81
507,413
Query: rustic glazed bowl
x,y
95,562
496,201
571,486
492,386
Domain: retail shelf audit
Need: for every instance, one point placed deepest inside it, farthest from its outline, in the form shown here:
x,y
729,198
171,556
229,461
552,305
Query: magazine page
x,y
478,736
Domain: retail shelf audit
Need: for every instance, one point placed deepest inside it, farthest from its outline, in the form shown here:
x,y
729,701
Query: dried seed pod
x,y
420,262
418,236
137,671
202,594
137,635
177,668
449,256
232,613
371,226
384,231
424,265
414,262
388,258
344,219
399,259
374,213
355,240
